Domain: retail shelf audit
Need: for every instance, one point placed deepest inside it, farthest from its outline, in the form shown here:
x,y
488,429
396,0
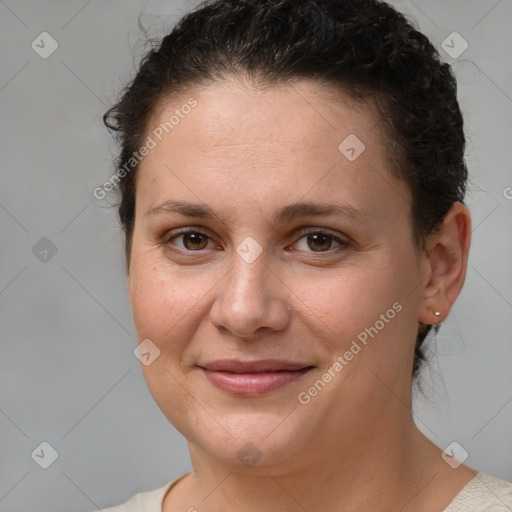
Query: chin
x,y
251,441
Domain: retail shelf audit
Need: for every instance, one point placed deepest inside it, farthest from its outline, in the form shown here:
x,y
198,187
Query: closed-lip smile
x,y
252,378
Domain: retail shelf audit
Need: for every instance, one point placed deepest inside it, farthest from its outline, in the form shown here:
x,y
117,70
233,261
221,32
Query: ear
x,y
446,253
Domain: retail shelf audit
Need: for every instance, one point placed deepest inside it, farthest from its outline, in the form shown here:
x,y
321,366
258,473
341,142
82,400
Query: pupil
x,y
193,240
323,242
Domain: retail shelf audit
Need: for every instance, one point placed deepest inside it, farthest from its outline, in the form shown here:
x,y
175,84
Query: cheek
x,y
166,306
349,297
165,310
362,308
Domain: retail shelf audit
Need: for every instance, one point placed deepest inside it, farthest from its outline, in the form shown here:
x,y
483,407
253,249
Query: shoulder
x,y
484,493
147,501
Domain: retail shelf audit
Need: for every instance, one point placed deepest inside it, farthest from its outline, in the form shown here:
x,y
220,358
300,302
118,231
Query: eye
x,y
319,241
193,240
190,240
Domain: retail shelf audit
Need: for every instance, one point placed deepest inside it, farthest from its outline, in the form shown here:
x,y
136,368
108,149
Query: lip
x,y
252,378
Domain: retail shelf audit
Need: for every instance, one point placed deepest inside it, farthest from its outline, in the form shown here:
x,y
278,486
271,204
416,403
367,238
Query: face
x,y
265,230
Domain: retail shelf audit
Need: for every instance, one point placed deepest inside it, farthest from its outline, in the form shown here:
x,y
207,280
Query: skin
x,y
245,153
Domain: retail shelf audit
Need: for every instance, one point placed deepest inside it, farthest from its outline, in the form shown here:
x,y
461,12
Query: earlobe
x,y
447,256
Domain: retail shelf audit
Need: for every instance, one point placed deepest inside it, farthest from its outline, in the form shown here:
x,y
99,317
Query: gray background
x,y
68,375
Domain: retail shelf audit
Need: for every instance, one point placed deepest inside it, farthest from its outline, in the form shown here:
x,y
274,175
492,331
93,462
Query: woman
x,y
292,183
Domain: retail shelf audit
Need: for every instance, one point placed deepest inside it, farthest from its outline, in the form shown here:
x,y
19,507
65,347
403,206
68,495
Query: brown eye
x,y
191,241
195,241
318,242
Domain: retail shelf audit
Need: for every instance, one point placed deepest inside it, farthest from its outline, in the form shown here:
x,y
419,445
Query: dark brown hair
x,y
363,47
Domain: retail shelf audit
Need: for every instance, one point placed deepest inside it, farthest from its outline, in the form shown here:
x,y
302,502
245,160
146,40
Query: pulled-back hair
x,y
365,48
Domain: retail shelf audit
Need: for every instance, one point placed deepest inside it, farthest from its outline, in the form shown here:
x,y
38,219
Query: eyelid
x,y
189,229
311,230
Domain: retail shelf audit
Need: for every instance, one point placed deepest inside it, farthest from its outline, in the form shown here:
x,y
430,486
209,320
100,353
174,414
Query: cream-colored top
x,y
484,493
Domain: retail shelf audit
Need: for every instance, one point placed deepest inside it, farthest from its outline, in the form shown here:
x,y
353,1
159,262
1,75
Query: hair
x,y
364,48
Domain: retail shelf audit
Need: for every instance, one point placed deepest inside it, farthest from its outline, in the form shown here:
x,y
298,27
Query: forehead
x,y
238,140
234,109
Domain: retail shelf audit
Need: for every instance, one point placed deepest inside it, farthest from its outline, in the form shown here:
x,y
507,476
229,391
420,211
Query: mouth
x,y
252,378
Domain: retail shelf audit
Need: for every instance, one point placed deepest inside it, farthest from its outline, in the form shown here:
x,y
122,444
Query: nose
x,y
251,300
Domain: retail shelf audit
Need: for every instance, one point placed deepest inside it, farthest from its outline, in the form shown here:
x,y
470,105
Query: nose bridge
x,y
248,284
250,298
249,268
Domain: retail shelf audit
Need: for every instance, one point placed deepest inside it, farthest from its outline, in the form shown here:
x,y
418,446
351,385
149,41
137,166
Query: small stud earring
x,y
437,313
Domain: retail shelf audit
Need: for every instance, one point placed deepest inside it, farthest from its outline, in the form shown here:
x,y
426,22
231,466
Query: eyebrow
x,y
286,213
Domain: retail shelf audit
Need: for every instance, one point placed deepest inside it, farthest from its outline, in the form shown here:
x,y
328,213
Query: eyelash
x,y
169,237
